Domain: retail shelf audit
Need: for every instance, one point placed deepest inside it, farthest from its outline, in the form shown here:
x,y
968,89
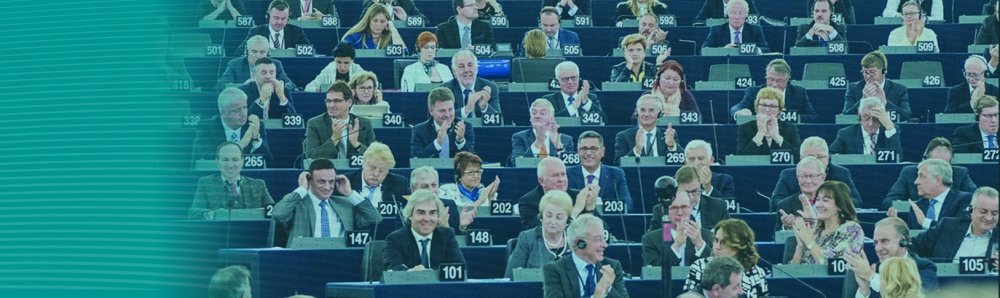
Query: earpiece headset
x,y
581,244
903,242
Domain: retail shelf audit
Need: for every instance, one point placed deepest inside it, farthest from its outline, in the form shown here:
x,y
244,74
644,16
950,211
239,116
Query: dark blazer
x,y
407,5
896,96
959,98
940,243
954,206
292,36
622,11
276,110
319,129
989,31
213,194
723,186
423,135
527,206
238,71
720,36
393,188
652,249
612,183
582,8
522,140
562,279
401,251
788,184
850,141
493,106
712,211
625,142
621,73
790,205
298,215
324,6
560,107
449,37
746,146
968,139
714,9
211,133
845,8
796,98
928,277
904,188
802,41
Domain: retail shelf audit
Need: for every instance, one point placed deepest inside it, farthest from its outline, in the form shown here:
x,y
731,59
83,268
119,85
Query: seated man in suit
x,y
441,136
705,210
279,33
374,182
961,237
314,209
401,9
892,95
337,133
240,70
231,281
587,268
822,29
816,147
228,189
963,97
904,189
568,9
590,147
934,183
810,174
421,244
736,31
342,68
892,238
307,10
556,36
778,74
698,153
689,236
478,95
458,219
464,29
271,98
646,139
552,176
570,102
543,138
973,138
722,278
874,132
232,124
715,9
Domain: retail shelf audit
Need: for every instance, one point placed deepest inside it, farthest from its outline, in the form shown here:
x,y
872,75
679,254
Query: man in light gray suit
x,y
312,209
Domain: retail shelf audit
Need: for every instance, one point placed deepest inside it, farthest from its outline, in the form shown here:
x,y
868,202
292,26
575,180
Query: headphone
x,y
309,177
904,243
580,244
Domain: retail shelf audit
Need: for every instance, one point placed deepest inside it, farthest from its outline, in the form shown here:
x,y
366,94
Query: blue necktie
x,y
466,94
571,100
588,289
235,137
822,42
324,219
445,148
424,259
931,214
371,192
991,141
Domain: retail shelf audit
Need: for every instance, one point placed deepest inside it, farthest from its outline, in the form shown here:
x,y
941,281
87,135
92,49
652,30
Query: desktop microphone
x,y
793,277
614,185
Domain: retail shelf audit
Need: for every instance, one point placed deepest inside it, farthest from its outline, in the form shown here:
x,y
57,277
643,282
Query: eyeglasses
x,y
569,79
810,176
974,75
473,172
870,73
767,107
994,115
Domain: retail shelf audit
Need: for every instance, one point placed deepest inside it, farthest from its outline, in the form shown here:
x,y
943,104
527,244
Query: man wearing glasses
x,y
874,132
464,30
705,210
981,135
892,95
590,147
963,97
570,102
810,173
816,147
338,133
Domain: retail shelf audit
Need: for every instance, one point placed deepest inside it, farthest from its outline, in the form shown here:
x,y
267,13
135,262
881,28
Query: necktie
x,y
465,97
234,137
822,42
277,40
931,214
324,219
466,37
590,179
343,142
871,148
424,259
233,189
991,141
571,100
371,193
591,285
553,44
307,8
648,149
445,147
543,152
736,37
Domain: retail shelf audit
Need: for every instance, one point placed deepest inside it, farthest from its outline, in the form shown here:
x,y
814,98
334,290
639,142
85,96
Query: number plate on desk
x,y
732,206
355,160
791,116
991,155
570,158
748,49
357,238
885,156
388,209
190,121
291,120
452,272
690,118
582,21
744,82
781,156
394,50
674,158
657,49
925,47
254,161
753,19
499,21
482,50
304,50
244,22
329,22
392,120
931,81
590,118
479,237
492,119
268,211
501,208
668,20
836,47
214,51
571,50
837,82
836,266
414,21
972,265
614,207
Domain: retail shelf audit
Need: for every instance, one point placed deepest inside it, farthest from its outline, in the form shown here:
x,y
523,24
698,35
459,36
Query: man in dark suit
x,y
960,97
590,147
715,9
570,102
568,9
810,174
297,9
279,33
436,138
705,210
989,31
789,184
973,138
586,268
822,29
270,98
893,96
548,21
690,237
698,153
232,124
474,96
457,219
240,70
962,237
778,73
374,182
934,183
736,31
543,138
904,189
552,176
315,199
401,9
421,244
337,133
722,278
646,139
874,132
228,189
464,29
891,240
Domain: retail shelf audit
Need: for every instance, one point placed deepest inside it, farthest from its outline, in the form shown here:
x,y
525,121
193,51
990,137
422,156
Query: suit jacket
x,y
423,136
492,106
652,249
989,31
275,109
530,252
850,141
954,206
560,106
720,36
319,129
298,215
324,6
940,243
904,188
449,37
714,9
845,8
746,146
563,280
623,12
402,252
527,206
790,205
211,133
292,36
928,277
959,98
565,37
723,186
896,96
393,188
213,194
238,71
712,210
582,8
407,5
523,140
968,139
788,184
802,41
625,142
612,183
621,73
796,98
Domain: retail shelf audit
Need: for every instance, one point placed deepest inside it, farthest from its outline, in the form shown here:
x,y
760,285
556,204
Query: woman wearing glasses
x,y
468,188
768,132
426,70
913,30
366,91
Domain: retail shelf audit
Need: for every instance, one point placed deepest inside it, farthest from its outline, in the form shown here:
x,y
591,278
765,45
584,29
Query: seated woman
x,y
488,9
374,30
899,279
222,10
768,131
934,9
534,44
468,188
632,9
672,89
735,239
836,230
426,69
913,29
635,69
366,92
546,242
